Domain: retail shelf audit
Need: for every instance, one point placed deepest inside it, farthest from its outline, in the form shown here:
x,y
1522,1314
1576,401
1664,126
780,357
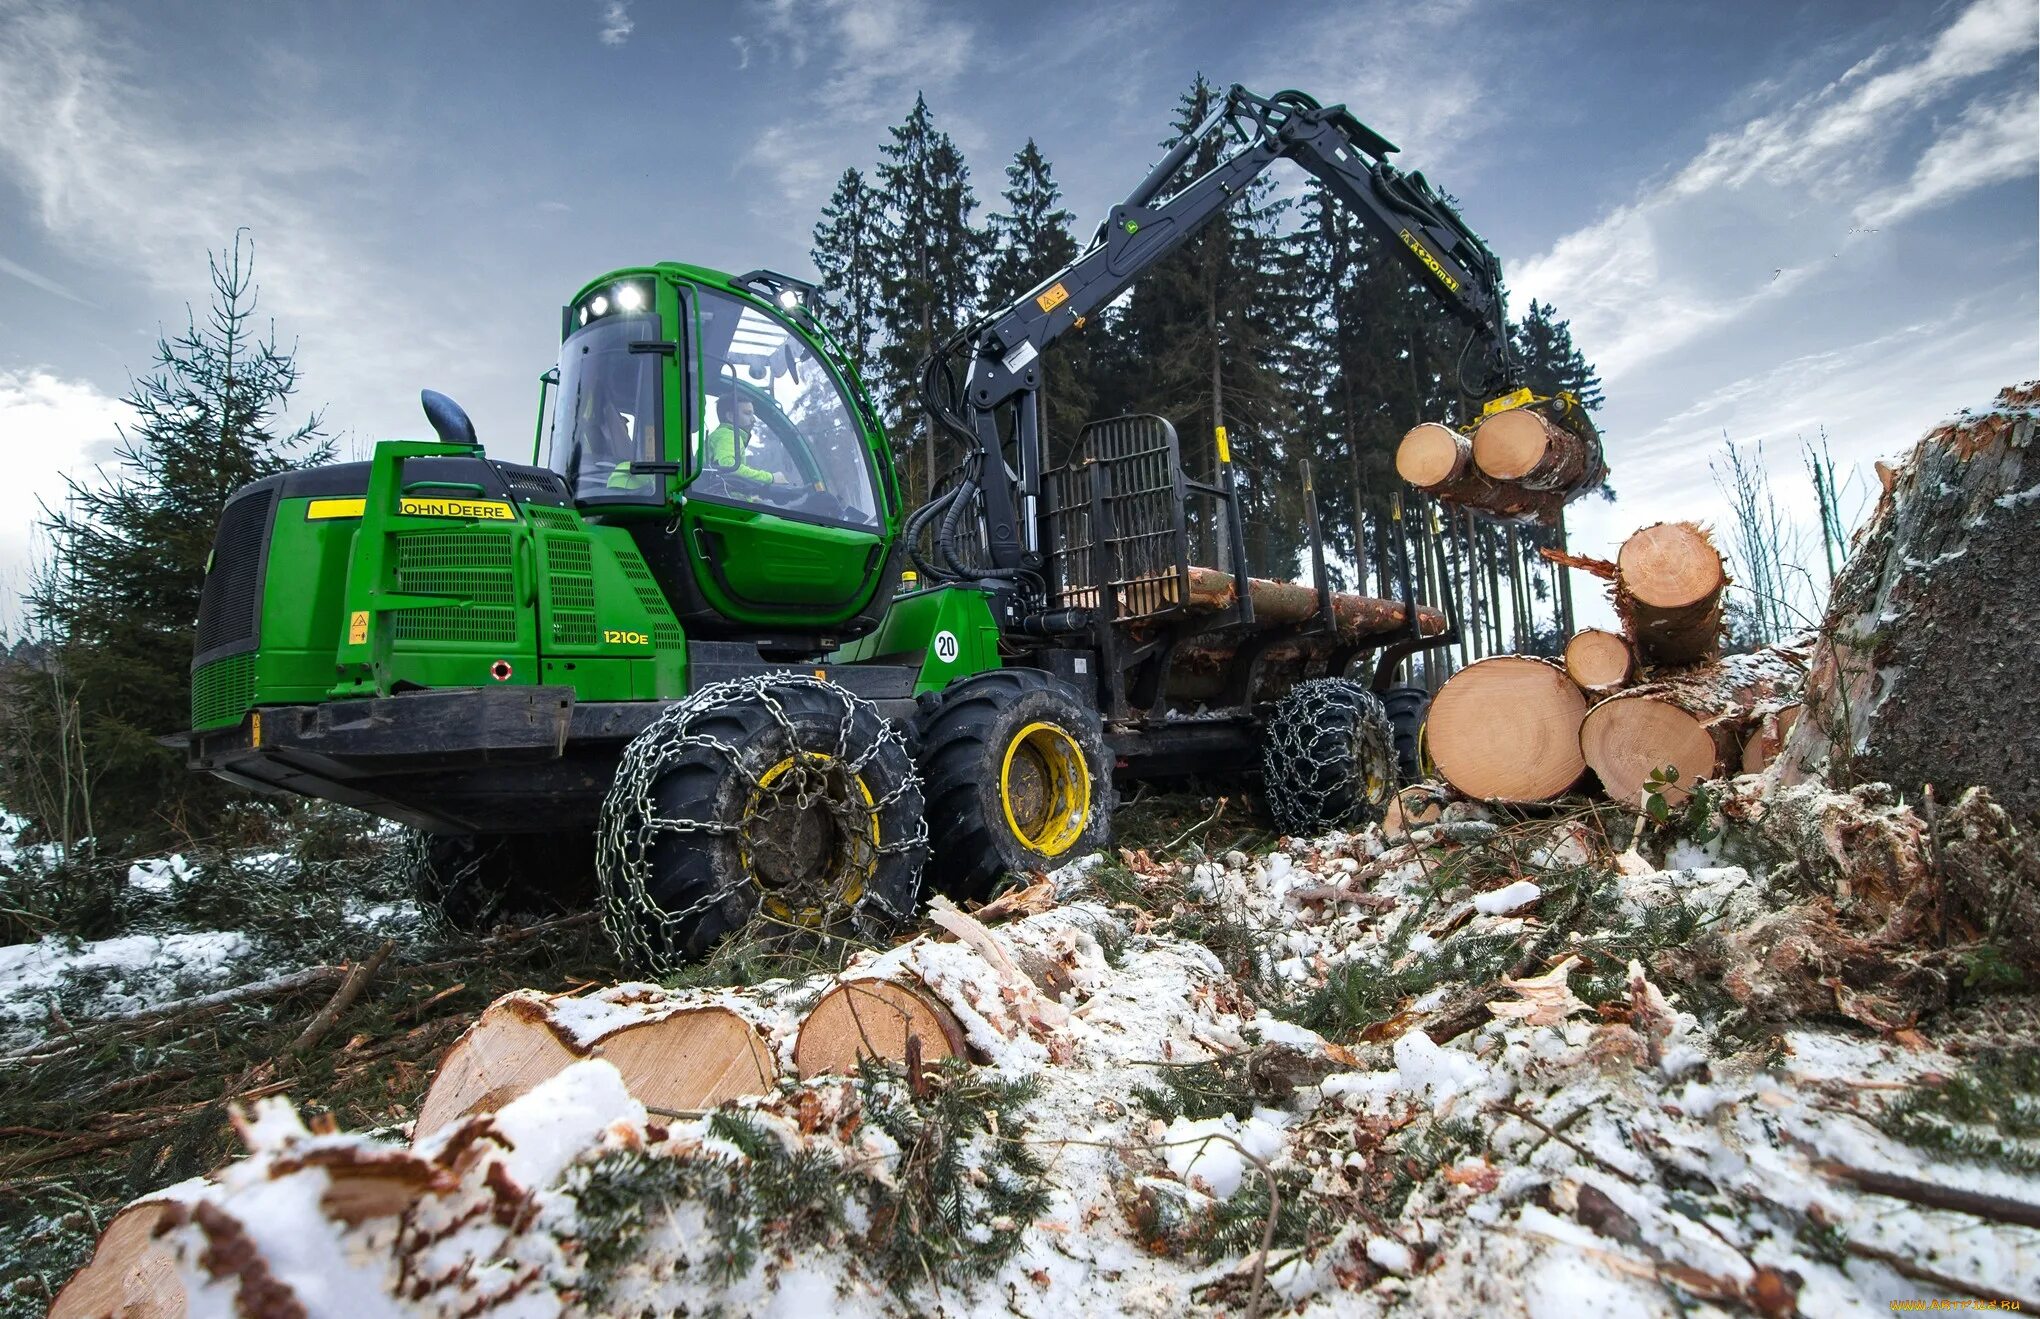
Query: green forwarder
x,y
700,636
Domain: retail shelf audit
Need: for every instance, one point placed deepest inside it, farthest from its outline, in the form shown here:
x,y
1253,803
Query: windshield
x,y
607,416
777,430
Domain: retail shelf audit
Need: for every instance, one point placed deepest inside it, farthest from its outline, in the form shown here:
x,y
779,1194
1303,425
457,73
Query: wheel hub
x,y
809,838
1045,787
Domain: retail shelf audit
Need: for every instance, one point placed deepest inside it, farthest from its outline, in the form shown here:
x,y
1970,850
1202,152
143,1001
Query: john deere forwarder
x,y
701,635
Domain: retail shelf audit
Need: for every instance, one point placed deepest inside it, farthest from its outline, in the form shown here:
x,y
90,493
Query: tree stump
x,y
674,1055
1508,729
1927,670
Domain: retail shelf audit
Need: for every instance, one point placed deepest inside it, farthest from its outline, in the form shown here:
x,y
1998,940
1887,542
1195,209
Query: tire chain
x,y
1305,749
631,822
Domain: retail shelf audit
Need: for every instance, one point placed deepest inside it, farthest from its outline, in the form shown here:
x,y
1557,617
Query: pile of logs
x,y
1650,701
1525,463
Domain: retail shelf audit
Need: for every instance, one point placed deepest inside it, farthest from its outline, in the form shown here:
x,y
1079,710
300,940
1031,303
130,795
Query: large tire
x,y
473,882
777,794
1018,778
1406,708
1328,758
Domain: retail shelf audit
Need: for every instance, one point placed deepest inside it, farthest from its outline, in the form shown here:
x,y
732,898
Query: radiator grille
x,y
533,481
570,585
473,566
230,604
553,519
222,691
642,581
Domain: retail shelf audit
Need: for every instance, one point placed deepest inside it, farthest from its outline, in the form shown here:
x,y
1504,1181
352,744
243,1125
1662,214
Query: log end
x,y
1509,445
1671,565
130,1274
1598,660
1508,729
1626,738
1431,455
873,1019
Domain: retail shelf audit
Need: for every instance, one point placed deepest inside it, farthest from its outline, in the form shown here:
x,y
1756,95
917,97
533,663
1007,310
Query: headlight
x,y
600,306
629,297
789,299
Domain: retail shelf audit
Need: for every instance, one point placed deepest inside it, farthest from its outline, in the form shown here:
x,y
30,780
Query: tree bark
x,y
1927,669
1508,729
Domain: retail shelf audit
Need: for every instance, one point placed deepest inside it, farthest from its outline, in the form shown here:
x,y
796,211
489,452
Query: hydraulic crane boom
x,y
1347,156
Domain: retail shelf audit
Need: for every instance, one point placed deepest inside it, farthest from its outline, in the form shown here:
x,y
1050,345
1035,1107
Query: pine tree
x,y
931,263
1551,361
847,240
1033,240
119,603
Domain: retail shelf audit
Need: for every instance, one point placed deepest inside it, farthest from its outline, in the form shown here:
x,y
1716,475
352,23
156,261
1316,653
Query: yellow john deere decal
x,y
1430,262
1055,297
1507,401
484,510
319,510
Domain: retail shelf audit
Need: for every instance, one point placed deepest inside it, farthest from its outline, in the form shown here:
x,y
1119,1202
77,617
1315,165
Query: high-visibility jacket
x,y
726,447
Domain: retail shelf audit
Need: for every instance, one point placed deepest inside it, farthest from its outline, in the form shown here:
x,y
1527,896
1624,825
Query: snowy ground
x,y
1605,1151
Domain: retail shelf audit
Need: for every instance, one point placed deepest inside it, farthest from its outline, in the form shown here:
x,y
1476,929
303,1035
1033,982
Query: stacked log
x,y
1669,581
1507,729
1599,661
1525,463
1439,461
895,1020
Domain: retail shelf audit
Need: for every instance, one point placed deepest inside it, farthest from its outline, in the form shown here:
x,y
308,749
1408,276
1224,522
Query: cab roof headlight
x,y
629,297
789,299
584,315
600,306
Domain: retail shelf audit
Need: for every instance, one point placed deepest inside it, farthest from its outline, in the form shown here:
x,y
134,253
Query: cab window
x,y
776,430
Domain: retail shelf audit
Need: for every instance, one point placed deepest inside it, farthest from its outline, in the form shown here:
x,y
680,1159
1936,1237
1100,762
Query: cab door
x,y
780,516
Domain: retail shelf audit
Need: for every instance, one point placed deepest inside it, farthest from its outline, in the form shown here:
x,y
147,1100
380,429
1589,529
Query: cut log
x,y
675,1053
874,1019
130,1275
1439,461
1532,449
1668,587
1508,729
1598,660
1926,671
1696,720
1293,602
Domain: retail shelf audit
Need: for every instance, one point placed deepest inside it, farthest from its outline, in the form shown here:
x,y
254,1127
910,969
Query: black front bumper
x,y
467,760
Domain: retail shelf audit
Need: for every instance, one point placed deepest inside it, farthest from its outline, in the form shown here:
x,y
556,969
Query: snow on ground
x,y
1546,1160
109,978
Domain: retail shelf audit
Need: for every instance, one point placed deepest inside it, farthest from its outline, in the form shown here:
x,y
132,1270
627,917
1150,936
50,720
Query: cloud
x,y
51,428
43,282
1750,218
617,24
742,45
1989,144
880,54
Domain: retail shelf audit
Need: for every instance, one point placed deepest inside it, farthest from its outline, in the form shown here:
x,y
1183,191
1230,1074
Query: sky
x,y
1764,219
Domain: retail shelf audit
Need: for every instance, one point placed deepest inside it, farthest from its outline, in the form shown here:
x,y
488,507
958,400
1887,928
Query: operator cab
x,y
701,412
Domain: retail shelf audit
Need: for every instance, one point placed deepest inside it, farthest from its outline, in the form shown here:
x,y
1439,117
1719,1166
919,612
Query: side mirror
x,y
448,418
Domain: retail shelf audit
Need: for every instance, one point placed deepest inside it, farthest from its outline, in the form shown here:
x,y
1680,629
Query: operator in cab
x,y
729,443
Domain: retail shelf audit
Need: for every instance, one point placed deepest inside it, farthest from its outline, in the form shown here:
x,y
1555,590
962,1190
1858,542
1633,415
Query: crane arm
x,y
1349,158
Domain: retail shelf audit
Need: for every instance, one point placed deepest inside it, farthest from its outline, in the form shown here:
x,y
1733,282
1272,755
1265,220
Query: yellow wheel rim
x,y
850,860
1045,787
